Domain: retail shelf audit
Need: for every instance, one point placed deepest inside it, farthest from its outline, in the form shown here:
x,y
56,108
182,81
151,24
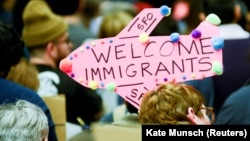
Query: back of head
x,y
113,6
224,9
90,10
41,24
114,23
170,102
22,121
11,49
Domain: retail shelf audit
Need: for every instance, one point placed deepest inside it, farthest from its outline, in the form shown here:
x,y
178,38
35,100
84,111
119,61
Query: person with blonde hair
x,y
24,73
175,104
113,23
23,121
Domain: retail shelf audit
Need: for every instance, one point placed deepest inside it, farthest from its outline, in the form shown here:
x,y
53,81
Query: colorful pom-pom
x,y
217,68
175,37
165,79
65,65
143,38
156,79
196,33
111,86
86,83
93,44
173,80
202,77
213,19
217,43
165,10
102,84
87,47
80,80
193,75
93,85
81,50
184,77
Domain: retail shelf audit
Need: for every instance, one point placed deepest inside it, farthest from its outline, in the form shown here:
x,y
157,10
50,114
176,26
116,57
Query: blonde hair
x,y
169,103
113,23
24,73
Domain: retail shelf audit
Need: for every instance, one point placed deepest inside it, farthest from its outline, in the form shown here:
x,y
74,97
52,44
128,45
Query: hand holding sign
x,y
132,63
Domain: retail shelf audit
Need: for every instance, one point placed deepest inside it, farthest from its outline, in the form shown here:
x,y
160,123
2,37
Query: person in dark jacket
x,y
11,52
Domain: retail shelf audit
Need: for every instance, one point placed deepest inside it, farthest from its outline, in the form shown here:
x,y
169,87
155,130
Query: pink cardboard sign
x,y
132,62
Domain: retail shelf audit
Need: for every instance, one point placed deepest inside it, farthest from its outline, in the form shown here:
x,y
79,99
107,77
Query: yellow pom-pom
x,y
80,80
143,38
93,85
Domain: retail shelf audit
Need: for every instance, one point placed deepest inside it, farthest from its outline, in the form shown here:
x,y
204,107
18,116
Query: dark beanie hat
x,y
41,25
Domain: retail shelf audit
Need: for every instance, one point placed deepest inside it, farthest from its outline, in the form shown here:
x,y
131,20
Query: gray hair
x,y
22,121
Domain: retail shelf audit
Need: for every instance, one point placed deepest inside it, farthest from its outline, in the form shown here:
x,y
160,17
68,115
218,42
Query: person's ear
x,y
50,49
237,13
191,115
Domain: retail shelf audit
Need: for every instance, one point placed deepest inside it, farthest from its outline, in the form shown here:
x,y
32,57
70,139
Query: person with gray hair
x,y
11,47
23,121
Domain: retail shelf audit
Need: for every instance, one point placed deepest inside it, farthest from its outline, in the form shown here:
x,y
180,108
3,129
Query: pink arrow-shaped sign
x,y
132,62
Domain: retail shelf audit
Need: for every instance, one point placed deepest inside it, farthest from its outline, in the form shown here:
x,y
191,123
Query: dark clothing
x,y
236,109
80,101
236,70
206,88
11,92
6,16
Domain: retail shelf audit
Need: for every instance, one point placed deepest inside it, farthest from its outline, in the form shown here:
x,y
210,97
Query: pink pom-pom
x,y
65,65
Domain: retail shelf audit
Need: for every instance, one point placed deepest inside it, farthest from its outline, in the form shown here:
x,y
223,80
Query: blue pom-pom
x,y
217,43
165,10
175,37
184,77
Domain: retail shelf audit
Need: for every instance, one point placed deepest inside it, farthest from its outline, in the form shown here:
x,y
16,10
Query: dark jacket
x,y
81,101
11,92
236,108
236,70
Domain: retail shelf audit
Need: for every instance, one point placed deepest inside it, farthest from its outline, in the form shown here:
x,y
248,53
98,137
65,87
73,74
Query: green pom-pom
x,y
213,19
217,68
111,86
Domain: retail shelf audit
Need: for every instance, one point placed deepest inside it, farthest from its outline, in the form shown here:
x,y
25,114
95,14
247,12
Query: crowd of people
x,y
35,35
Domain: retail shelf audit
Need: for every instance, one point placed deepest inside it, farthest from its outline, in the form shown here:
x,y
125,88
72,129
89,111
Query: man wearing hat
x,y
45,35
